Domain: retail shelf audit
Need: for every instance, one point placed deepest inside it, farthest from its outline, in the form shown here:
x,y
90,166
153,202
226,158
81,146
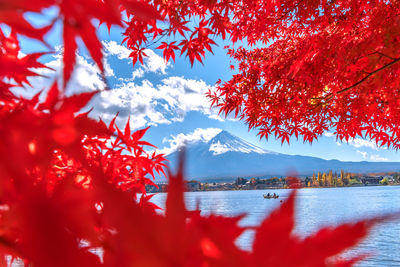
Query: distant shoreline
x,y
323,181
280,188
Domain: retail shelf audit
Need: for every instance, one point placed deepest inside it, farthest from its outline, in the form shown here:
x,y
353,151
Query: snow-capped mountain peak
x,y
222,154
226,142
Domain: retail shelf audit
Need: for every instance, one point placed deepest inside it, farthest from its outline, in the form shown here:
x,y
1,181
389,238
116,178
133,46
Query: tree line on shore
x,y
319,179
328,179
331,179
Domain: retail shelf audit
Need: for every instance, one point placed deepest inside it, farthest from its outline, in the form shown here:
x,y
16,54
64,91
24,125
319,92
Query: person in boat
x,y
274,196
268,195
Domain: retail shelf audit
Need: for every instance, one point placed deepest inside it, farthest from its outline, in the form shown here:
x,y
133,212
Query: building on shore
x,y
371,180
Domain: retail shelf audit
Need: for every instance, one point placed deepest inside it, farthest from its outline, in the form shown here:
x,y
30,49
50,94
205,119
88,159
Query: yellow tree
x,y
319,179
324,180
330,178
314,181
347,178
341,178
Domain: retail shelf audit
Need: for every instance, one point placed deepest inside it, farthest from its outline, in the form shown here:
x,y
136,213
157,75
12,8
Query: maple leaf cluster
x,y
306,67
313,66
73,189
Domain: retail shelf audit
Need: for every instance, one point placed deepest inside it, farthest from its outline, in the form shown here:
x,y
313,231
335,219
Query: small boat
x,y
270,196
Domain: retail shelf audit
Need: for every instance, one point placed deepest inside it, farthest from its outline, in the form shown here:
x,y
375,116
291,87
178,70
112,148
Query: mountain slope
x,y
226,155
226,142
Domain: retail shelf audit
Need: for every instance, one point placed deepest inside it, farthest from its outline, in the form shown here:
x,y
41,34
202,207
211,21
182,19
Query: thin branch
x,y
329,96
384,55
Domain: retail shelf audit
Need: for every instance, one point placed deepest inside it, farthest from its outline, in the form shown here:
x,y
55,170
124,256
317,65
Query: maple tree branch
x,y
155,41
384,55
369,75
329,96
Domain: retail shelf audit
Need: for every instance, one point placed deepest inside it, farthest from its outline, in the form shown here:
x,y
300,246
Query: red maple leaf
x,y
12,14
77,17
168,50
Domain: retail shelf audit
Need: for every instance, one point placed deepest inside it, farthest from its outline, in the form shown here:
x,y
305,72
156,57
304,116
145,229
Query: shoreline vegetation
x,y
317,180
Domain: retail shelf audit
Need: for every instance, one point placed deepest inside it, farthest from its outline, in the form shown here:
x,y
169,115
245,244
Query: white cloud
x,y
363,154
85,77
138,73
184,95
377,158
109,72
328,134
152,62
149,104
177,141
136,101
372,157
112,48
358,142
216,116
164,102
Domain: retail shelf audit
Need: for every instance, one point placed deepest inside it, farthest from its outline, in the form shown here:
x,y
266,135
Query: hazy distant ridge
x,y
226,155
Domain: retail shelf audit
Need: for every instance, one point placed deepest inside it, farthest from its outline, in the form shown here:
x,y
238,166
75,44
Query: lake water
x,y
316,207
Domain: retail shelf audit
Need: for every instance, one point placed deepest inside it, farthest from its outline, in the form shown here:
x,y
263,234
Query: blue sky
x,y
170,98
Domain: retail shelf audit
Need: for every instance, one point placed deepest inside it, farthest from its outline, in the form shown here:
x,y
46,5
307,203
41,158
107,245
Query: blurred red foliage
x,y
70,185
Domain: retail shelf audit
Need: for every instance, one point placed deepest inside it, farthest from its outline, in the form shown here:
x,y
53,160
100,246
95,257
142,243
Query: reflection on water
x,y
315,208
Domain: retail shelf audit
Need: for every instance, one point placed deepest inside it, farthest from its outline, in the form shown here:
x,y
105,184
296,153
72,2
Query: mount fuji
x,y
226,157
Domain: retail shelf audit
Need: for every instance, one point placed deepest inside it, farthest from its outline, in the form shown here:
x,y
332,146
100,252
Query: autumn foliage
x,y
72,189
315,66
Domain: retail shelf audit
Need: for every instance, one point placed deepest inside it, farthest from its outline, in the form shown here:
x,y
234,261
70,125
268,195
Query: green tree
x,y
346,179
240,181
